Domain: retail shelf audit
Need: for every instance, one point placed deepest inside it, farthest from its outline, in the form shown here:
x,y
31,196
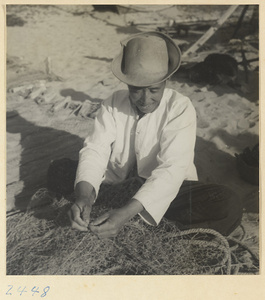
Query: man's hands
x,y
109,224
105,226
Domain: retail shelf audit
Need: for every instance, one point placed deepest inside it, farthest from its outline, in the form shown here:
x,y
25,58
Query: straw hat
x,y
146,59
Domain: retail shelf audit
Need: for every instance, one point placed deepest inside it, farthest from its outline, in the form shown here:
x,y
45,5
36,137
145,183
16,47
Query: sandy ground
x,y
64,52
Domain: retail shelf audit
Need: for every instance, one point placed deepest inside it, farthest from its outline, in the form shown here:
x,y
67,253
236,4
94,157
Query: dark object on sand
x,y
61,176
13,20
216,68
104,8
248,164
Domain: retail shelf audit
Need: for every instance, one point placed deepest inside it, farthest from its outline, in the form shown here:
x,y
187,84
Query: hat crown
x,y
145,57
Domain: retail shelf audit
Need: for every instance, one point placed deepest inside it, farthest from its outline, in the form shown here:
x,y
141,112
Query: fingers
x,y
74,224
101,233
106,230
86,215
100,219
76,220
104,235
77,217
78,227
107,225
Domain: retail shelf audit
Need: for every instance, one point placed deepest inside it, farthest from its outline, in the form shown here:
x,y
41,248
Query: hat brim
x,y
174,55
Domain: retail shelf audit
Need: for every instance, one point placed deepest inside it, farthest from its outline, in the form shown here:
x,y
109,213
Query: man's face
x,y
146,99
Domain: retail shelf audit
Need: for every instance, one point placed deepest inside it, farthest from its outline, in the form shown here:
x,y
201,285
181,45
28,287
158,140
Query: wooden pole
x,y
240,20
210,31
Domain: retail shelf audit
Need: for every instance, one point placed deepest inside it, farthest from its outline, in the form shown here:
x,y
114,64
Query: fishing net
x,y
41,242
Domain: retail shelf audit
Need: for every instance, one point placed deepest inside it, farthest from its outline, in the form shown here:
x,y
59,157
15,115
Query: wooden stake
x,y
210,31
240,20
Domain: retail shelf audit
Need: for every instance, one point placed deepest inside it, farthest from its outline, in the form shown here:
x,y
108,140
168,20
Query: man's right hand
x,y
79,215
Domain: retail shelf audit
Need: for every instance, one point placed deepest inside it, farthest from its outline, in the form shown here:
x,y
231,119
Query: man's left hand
x,y
109,224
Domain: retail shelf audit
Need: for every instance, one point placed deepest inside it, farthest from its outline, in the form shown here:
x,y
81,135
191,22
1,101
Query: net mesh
x,y
41,242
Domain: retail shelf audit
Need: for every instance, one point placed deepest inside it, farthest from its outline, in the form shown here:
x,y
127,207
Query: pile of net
x,y
41,242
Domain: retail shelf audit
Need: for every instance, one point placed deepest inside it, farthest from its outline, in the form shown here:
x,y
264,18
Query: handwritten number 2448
x,y
34,290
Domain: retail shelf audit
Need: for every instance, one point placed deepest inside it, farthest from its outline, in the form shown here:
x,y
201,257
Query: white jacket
x,y
162,143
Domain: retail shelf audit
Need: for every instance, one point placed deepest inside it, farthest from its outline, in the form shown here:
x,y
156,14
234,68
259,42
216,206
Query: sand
x,y
64,52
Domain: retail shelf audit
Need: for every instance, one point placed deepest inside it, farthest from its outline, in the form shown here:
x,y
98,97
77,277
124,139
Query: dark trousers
x,y
206,205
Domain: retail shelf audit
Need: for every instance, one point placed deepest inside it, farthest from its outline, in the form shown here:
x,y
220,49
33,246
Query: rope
x,y
214,233
236,265
225,248
240,238
228,251
207,244
246,247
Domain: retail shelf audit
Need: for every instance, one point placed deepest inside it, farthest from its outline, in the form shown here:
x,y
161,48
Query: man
x,y
155,128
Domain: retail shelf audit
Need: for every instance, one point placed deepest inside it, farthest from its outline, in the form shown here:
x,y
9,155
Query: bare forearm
x,y
85,193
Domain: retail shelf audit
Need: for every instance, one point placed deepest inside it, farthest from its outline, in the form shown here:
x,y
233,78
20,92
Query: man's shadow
x,y
40,145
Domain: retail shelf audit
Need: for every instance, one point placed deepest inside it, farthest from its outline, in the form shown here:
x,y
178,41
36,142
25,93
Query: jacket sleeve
x,y
175,161
94,156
